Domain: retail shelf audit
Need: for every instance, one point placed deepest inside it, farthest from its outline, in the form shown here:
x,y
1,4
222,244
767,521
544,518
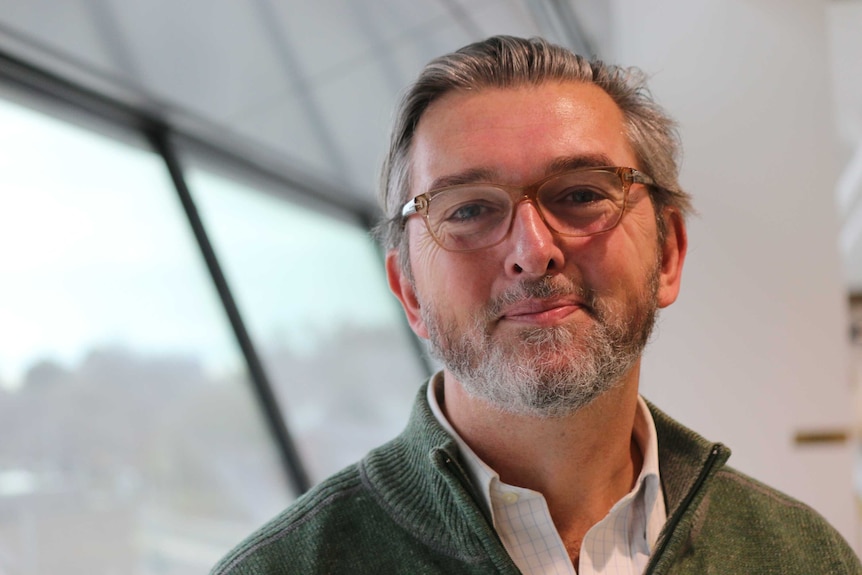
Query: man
x,y
535,226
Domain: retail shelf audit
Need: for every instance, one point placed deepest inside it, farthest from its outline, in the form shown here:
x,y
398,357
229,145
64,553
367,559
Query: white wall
x,y
756,348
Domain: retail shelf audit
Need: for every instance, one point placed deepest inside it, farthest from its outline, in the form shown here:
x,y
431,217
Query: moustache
x,y
543,288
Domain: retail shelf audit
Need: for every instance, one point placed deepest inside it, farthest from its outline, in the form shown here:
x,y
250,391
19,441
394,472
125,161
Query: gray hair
x,y
508,62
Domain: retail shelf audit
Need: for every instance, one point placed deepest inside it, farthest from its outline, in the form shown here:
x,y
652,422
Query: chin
x,y
539,389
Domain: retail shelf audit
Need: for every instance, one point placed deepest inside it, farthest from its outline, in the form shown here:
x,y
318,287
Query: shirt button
x,y
510,497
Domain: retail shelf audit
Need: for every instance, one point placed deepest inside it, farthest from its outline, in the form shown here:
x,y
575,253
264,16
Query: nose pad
x,y
534,245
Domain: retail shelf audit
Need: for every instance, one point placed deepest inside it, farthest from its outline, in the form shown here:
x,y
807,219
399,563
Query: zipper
x,y
672,523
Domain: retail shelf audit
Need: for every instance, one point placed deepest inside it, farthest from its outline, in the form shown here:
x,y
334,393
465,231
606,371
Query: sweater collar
x,y
683,457
420,480
486,479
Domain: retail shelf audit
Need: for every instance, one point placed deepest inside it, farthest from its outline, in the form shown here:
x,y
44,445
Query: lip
x,y
541,312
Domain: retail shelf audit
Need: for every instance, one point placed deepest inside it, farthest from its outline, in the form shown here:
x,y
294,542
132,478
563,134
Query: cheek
x,y
645,244
424,257
621,261
450,280
427,261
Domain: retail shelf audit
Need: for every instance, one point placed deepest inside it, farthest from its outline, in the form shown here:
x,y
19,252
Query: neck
x,y
582,463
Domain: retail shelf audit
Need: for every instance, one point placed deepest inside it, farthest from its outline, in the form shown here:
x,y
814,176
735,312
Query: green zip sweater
x,y
409,508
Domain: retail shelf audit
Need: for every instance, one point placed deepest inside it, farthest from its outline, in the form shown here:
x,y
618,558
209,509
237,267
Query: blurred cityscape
x,y
136,464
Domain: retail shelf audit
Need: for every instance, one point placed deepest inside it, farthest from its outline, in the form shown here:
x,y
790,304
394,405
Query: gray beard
x,y
546,372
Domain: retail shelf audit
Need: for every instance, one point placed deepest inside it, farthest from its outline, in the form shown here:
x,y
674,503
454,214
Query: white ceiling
x,y
312,83
309,86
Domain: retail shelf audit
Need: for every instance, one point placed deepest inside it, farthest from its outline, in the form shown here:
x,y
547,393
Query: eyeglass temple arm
x,y
637,177
414,206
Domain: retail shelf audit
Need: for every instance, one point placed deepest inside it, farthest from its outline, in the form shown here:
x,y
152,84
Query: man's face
x,y
539,324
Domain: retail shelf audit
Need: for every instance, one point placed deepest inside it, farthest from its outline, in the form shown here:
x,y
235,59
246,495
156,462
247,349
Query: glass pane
x,y
131,441
313,292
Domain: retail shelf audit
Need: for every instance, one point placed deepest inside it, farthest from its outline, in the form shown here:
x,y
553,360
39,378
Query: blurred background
x,y
195,326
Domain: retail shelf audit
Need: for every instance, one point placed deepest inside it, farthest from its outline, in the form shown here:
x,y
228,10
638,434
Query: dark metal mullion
x,y
159,137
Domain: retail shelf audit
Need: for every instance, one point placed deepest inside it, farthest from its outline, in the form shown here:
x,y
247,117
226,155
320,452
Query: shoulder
x,y
721,520
743,518
291,539
402,508
743,498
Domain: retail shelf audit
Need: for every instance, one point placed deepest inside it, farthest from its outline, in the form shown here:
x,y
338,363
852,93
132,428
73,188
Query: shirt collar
x,y
644,434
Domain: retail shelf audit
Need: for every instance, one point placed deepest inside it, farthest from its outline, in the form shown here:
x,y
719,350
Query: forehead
x,y
516,135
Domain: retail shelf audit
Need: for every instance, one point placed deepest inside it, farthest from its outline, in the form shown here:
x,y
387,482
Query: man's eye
x,y
468,213
582,196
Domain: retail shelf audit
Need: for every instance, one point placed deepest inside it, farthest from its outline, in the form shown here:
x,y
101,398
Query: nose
x,y
535,251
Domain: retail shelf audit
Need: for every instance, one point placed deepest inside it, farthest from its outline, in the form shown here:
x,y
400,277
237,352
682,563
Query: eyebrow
x,y
488,175
470,176
576,162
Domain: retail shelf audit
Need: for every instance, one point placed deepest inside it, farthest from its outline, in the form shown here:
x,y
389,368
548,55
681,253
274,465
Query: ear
x,y
672,257
405,291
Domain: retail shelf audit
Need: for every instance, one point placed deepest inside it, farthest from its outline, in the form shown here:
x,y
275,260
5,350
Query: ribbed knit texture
x,y
407,508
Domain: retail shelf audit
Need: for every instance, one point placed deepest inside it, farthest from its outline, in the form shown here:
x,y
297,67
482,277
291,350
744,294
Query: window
x,y
132,442
329,333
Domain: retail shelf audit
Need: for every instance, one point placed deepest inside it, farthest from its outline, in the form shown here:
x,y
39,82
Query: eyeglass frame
x,y
628,176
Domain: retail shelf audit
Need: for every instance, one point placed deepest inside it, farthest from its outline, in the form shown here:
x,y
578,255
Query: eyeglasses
x,y
576,203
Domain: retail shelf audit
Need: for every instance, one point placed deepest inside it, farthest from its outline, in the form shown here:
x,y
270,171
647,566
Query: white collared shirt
x,y
620,543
